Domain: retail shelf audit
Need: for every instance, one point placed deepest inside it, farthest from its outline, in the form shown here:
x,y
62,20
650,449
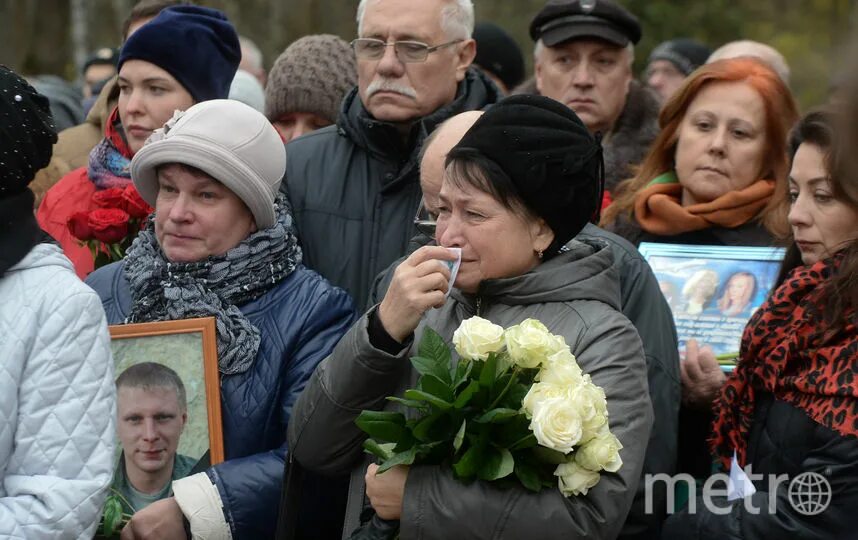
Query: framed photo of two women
x,y
713,290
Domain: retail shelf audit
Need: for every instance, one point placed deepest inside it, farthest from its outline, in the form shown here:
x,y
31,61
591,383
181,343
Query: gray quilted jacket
x,y
585,310
56,401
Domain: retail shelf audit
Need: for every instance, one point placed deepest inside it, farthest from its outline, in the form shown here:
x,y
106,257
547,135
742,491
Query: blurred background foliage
x,y
55,36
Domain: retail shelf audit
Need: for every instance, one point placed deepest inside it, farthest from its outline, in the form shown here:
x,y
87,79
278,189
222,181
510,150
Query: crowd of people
x,y
317,211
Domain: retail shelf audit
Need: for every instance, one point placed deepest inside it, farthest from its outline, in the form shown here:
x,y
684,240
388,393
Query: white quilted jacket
x,y
56,401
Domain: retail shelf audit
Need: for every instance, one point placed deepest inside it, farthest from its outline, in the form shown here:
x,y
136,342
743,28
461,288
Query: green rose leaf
x,y
383,425
460,436
497,416
528,475
409,403
419,395
487,374
435,386
433,348
401,458
466,467
461,372
466,395
528,441
382,451
428,366
498,463
112,516
547,455
423,430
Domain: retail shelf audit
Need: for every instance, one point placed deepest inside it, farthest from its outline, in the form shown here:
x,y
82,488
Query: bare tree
x,y
79,32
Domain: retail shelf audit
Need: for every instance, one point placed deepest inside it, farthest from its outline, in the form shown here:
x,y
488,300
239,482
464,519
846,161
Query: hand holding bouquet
x,y
515,409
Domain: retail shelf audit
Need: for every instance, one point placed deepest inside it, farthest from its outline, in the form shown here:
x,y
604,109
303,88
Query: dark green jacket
x,y
182,467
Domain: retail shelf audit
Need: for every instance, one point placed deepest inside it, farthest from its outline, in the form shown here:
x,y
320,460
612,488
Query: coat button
x,y
389,176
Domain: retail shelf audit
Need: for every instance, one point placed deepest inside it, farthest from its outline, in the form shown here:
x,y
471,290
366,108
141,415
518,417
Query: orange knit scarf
x,y
658,209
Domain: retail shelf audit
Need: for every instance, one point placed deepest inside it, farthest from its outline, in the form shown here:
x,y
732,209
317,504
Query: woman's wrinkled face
x,y
821,224
148,97
721,142
496,242
196,216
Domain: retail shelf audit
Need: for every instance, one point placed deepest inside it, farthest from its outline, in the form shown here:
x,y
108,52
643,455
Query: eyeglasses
x,y
406,51
424,220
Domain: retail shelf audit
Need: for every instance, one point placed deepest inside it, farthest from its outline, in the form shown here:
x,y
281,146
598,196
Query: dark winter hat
x,y
196,45
562,20
27,133
498,53
686,54
548,154
312,75
105,56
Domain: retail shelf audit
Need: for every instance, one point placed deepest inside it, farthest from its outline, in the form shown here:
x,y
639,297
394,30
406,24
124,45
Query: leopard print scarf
x,y
786,351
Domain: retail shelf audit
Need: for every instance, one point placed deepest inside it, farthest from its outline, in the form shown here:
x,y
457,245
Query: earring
x,y
539,253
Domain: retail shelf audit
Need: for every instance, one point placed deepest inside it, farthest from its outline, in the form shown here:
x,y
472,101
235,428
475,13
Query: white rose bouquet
x,y
516,407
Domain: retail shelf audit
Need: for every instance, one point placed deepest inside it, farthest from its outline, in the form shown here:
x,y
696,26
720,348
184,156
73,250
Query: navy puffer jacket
x,y
300,322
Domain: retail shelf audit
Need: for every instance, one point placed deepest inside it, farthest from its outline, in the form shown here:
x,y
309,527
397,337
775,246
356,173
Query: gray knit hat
x,y
312,75
248,157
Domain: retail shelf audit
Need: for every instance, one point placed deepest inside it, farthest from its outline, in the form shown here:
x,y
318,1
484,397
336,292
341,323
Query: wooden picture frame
x,y
195,340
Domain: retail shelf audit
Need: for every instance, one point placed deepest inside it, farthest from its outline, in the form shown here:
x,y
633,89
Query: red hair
x,y
781,113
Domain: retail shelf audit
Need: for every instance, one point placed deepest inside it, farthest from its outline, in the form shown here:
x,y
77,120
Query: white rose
x,y
556,424
530,342
476,338
592,405
539,393
602,452
572,479
561,368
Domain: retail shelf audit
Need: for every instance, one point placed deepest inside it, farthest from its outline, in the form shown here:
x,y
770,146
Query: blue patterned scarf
x,y
110,160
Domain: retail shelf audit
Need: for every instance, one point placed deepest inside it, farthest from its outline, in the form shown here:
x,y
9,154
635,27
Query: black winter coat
x,y
783,440
355,187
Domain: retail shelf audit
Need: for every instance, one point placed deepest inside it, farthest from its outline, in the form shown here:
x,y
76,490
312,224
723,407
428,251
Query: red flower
x,y
109,198
606,199
78,225
109,225
134,203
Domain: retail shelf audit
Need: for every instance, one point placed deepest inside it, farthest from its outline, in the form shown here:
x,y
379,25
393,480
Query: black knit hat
x,y
498,53
548,154
686,54
196,45
27,133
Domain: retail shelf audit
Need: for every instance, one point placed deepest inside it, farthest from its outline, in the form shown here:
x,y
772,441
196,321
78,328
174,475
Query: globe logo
x,y
809,493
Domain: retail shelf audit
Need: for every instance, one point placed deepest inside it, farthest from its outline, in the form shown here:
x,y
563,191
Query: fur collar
x,y
629,141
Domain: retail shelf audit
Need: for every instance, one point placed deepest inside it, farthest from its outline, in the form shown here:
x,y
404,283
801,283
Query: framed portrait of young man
x,y
168,408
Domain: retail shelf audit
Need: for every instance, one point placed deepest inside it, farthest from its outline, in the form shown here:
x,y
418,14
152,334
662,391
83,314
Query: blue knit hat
x,y
196,45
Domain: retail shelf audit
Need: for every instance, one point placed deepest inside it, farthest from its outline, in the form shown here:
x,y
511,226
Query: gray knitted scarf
x,y
165,291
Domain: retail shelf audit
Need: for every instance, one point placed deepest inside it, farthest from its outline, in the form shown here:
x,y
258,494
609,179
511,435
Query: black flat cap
x,y
562,20
549,156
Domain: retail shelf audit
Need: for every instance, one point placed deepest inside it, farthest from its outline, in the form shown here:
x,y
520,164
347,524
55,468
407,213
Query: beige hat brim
x,y
211,158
